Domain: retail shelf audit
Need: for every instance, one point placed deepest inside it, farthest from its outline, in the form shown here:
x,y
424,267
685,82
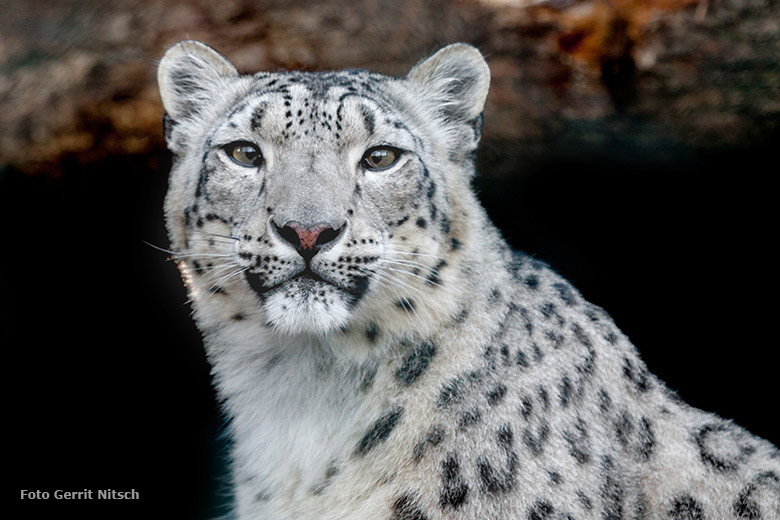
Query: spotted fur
x,y
397,360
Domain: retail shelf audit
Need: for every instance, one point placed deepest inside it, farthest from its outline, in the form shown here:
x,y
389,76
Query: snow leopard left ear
x,y
191,75
457,78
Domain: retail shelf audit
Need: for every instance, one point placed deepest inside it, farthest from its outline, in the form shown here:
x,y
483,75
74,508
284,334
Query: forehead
x,y
331,105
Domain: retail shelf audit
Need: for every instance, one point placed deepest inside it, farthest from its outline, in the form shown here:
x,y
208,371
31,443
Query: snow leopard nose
x,y
307,241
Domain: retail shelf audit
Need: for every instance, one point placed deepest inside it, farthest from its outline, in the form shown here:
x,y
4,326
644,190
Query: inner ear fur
x,y
457,78
190,75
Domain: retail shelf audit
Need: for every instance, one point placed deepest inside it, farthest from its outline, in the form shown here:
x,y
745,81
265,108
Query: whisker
x,y
231,237
393,280
200,255
219,269
398,251
221,282
392,285
404,271
407,263
159,248
211,240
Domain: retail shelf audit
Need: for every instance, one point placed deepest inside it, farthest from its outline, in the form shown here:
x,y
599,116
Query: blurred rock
x,y
77,77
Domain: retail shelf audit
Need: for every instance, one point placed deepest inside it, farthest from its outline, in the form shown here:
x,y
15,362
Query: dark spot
x,y
536,441
262,496
605,401
584,500
434,276
367,380
646,445
401,221
469,418
612,492
415,363
566,293
538,354
380,431
565,391
580,335
686,507
730,457
522,359
436,435
406,304
357,289
505,355
237,317
368,119
624,427
331,471
372,331
433,438
526,407
541,510
638,376
406,508
454,490
445,220
544,397
745,506
496,395
532,282
421,223
578,441
450,393
461,317
454,244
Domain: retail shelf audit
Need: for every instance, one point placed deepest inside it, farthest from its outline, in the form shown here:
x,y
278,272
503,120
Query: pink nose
x,y
307,237
307,240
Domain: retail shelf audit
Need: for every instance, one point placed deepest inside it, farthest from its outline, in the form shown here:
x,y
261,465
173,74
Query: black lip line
x,y
305,273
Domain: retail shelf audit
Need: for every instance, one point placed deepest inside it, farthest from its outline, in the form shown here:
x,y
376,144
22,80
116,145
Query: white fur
x,y
338,403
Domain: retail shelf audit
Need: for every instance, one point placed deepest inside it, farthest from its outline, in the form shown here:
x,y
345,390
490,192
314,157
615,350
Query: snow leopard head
x,y
310,200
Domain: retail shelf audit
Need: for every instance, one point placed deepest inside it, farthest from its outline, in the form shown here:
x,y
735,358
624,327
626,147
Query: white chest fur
x,y
296,413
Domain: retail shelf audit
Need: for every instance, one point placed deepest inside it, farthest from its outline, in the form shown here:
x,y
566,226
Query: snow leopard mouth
x,y
306,275
309,281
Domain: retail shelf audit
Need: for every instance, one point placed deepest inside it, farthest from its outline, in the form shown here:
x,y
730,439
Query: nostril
x,y
289,234
328,235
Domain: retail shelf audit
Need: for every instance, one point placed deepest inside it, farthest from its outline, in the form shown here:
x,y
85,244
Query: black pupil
x,y
248,152
380,157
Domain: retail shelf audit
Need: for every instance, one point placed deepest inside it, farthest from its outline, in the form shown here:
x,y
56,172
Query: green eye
x,y
380,158
244,154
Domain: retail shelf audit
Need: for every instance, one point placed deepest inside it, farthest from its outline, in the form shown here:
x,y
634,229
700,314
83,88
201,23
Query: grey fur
x,y
414,368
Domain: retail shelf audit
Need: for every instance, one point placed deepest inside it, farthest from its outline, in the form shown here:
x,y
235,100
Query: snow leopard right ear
x,y
457,79
191,76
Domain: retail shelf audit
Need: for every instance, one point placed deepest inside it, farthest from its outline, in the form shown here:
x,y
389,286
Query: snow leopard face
x,y
304,199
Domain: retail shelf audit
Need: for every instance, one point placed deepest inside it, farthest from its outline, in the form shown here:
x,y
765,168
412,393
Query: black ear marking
x,y
168,126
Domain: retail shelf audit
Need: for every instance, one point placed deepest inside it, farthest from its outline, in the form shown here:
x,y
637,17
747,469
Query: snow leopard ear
x,y
191,75
457,78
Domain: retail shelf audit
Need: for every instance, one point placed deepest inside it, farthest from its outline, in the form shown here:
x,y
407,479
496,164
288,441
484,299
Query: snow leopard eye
x,y
380,158
244,154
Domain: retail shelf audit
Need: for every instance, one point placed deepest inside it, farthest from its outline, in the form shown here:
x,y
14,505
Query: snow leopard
x,y
379,350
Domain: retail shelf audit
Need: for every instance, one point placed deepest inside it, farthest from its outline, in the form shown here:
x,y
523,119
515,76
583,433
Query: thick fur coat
x,y
379,349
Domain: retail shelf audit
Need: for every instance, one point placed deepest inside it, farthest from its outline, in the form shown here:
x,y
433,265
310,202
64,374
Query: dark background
x,y
108,384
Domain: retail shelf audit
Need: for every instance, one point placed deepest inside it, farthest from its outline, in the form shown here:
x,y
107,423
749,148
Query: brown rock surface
x,y
77,78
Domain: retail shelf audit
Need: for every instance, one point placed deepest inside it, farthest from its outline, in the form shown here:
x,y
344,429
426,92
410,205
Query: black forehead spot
x,y
319,84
